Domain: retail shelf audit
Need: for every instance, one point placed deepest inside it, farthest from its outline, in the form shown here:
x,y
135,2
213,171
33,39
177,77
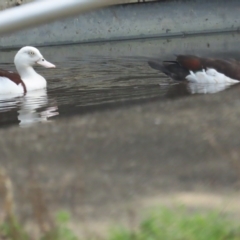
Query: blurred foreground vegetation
x,y
163,223
179,224
176,223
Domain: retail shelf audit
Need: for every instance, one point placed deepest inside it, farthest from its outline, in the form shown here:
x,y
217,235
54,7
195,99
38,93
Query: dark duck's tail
x,y
171,69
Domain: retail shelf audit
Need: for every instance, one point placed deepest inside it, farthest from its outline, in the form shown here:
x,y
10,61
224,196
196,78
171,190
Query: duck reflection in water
x,y
198,88
184,89
34,107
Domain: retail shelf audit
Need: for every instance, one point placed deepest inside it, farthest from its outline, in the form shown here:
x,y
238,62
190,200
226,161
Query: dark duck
x,y
199,69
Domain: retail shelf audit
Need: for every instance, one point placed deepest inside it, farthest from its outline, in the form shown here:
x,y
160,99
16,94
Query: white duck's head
x,y
30,56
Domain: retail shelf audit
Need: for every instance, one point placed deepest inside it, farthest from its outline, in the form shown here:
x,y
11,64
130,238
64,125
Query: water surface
x,y
102,76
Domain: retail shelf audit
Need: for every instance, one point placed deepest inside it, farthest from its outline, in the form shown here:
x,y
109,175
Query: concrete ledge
x,y
134,21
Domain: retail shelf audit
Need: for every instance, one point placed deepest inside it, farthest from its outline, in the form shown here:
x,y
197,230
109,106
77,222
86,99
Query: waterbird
x,y
199,69
27,79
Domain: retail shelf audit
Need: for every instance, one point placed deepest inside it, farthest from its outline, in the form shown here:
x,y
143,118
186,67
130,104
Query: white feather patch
x,y
209,76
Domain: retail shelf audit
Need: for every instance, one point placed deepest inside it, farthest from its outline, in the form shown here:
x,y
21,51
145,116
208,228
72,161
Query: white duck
x,y
26,79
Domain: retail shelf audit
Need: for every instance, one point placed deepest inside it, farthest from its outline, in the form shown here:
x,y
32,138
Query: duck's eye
x,y
43,59
31,53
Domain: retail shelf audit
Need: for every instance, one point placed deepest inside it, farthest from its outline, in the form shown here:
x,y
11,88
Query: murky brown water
x,y
101,76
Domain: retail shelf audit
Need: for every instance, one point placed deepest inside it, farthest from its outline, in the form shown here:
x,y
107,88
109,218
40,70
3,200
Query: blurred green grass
x,y
178,224
161,224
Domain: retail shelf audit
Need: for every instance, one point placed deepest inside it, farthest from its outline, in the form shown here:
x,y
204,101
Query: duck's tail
x,y
171,69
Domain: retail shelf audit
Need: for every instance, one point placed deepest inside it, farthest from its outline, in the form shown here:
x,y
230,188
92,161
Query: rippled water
x,y
90,77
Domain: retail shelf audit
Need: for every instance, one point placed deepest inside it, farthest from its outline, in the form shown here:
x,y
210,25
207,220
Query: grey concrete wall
x,y
134,21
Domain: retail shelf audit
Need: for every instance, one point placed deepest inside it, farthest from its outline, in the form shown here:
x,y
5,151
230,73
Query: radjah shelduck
x,y
27,79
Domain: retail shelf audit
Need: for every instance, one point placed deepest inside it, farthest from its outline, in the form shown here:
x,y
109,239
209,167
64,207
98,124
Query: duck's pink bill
x,y
45,63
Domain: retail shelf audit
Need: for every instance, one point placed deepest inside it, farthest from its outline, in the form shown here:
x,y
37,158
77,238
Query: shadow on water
x,y
102,76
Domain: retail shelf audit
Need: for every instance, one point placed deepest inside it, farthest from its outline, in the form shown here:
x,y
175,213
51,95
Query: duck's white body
x,y
28,79
9,87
